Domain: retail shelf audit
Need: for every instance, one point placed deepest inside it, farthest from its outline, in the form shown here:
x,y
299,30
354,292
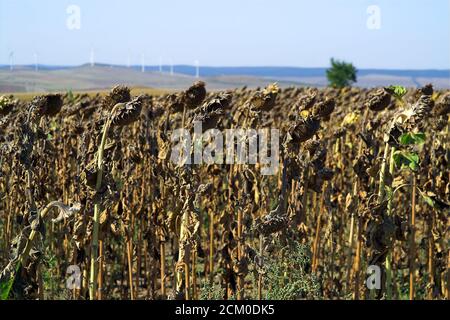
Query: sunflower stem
x,y
96,222
388,261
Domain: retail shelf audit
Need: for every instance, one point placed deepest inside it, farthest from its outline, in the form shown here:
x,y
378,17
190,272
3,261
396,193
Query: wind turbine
x,y
92,57
160,64
128,61
197,69
142,63
11,60
171,67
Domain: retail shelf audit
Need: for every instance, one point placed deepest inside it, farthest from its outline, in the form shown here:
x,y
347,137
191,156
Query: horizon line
x,y
206,66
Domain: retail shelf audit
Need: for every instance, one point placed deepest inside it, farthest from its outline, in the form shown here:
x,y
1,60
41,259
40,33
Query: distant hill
x,y
57,78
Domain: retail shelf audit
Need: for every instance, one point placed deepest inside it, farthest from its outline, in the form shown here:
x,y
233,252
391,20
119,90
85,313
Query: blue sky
x,y
413,34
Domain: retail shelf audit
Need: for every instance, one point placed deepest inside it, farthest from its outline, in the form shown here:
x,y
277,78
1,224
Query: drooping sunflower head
x,y
118,94
127,113
195,94
47,105
378,100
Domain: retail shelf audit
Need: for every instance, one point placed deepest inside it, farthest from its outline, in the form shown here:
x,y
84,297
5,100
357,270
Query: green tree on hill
x,y
341,74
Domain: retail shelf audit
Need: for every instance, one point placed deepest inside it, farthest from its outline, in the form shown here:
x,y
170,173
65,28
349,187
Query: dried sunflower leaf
x,y
65,211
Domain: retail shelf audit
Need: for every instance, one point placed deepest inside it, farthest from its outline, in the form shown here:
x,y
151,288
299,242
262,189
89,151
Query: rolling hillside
x,y
85,77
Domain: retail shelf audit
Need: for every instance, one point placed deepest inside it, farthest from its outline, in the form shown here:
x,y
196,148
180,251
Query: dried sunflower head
x,y
88,175
312,146
175,102
410,119
304,129
442,108
270,94
118,94
211,111
323,109
127,113
6,105
361,164
218,102
421,109
381,234
271,223
307,100
378,100
48,105
265,100
427,90
195,95
319,157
